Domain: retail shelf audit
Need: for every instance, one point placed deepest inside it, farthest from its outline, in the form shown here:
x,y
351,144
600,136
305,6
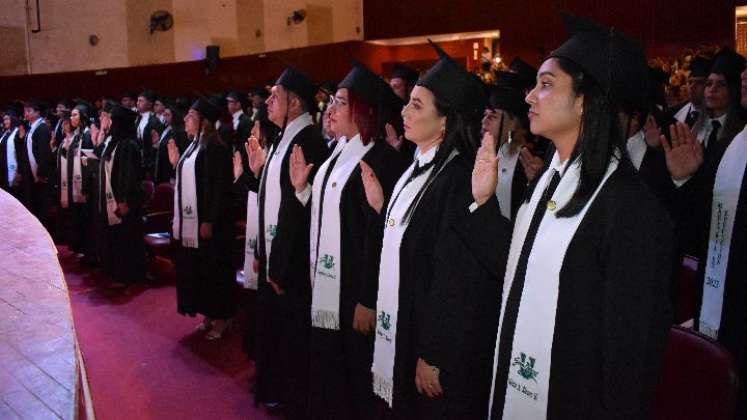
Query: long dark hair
x,y
599,139
461,133
122,129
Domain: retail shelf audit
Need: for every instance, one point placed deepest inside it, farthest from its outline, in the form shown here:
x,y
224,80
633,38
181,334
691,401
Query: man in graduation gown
x,y
284,294
121,198
62,106
37,163
146,124
689,111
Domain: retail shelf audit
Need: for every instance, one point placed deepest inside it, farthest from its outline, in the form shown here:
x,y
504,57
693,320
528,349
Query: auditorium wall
x,y
238,27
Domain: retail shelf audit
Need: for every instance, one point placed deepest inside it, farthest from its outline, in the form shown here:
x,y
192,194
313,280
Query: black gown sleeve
x,y
219,175
637,311
43,151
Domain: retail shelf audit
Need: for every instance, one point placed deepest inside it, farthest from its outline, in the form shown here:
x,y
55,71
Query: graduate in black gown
x,y
202,233
121,198
174,129
345,244
436,311
37,163
72,174
505,119
284,290
712,197
585,305
148,129
402,82
11,147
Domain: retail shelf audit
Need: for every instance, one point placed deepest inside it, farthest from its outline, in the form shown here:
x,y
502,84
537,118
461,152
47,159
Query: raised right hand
x,y
372,187
299,169
256,154
238,166
173,152
392,138
485,171
685,154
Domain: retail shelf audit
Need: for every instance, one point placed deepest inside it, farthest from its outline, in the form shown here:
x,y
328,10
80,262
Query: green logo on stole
x,y
327,261
526,367
386,320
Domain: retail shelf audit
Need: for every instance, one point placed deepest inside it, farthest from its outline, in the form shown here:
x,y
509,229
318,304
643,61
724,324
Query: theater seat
x,y
698,379
686,290
148,190
161,210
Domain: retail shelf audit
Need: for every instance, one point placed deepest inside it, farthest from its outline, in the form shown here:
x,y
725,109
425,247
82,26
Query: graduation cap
x,y
453,85
728,63
527,74
12,113
207,109
700,67
405,73
611,58
237,96
129,94
365,83
149,95
510,80
509,100
329,87
296,82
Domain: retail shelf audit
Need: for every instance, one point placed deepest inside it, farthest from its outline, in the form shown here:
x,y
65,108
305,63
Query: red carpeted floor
x,y
145,361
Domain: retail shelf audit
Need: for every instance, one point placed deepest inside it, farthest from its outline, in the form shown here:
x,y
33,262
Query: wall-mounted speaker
x,y
212,56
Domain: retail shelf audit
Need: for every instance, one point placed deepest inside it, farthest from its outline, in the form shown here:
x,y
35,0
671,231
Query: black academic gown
x,y
206,282
37,194
447,313
341,360
148,150
614,313
75,224
163,171
518,189
695,199
284,321
124,249
4,139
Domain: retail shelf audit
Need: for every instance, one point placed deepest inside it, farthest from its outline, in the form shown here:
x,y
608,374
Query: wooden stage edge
x,y
42,373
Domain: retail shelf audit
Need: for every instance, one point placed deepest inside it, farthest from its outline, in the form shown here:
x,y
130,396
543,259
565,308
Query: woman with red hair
x,y
345,245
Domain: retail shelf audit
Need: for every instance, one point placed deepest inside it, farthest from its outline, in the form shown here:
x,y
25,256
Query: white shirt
x,y
236,115
705,130
637,148
144,117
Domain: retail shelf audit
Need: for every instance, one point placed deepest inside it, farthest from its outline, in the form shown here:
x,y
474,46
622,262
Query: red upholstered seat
x,y
686,290
161,210
698,379
148,189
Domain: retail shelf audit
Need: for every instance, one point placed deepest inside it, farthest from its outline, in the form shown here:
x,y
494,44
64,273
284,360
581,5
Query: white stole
x,y
387,305
531,354
272,187
63,176
726,189
252,230
10,156
325,252
78,196
506,167
30,148
111,202
185,224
